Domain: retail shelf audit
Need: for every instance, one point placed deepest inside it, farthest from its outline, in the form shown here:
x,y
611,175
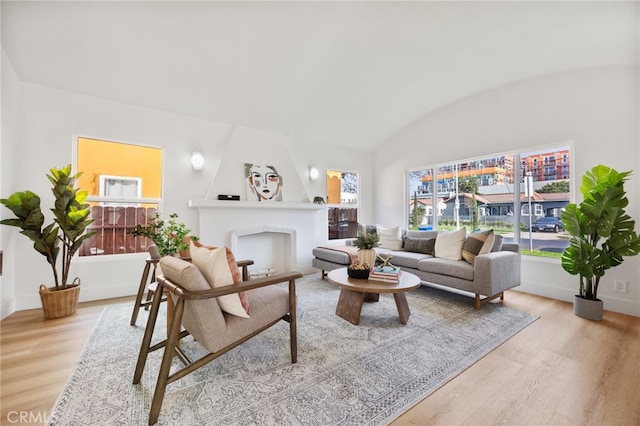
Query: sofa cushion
x,y
406,259
338,254
390,237
452,268
449,244
419,245
478,242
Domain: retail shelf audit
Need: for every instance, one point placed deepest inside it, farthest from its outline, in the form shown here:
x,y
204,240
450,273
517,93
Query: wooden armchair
x,y
195,304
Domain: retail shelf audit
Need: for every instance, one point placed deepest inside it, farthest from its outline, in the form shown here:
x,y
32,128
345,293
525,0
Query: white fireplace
x,y
277,235
273,249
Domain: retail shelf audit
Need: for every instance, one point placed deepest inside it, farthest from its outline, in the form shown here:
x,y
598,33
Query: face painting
x,y
265,181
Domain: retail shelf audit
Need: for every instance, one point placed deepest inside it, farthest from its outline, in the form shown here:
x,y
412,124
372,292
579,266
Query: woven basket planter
x,y
59,303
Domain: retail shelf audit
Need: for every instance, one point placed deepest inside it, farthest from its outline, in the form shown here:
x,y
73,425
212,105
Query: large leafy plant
x,y
167,235
601,231
71,218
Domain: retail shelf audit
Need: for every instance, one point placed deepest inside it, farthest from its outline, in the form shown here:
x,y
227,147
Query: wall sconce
x,y
313,173
197,161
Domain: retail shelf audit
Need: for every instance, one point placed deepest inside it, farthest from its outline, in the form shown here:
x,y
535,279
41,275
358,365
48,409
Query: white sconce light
x,y
197,161
313,173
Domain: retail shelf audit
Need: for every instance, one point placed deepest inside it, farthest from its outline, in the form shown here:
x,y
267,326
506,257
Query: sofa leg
x,y
480,302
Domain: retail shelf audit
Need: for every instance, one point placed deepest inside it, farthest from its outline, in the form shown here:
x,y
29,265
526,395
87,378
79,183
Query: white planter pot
x,y
588,309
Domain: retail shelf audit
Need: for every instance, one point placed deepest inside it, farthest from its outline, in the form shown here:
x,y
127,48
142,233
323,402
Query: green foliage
x,y
367,241
601,231
71,218
167,235
468,184
560,186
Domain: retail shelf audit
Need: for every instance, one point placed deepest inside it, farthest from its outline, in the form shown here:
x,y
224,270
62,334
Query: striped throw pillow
x,y
477,243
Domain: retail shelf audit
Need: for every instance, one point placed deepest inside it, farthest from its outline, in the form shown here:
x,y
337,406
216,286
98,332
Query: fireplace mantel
x,y
215,204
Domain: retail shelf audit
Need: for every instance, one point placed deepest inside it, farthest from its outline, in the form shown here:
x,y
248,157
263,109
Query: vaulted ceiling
x,y
351,73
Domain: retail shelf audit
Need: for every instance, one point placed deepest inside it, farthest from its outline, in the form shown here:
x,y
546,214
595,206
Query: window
x,y
480,194
120,187
342,204
124,182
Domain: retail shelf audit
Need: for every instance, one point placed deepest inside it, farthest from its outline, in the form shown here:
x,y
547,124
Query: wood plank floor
x,y
561,370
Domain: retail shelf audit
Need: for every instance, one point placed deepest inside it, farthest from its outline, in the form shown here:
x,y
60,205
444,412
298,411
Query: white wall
x,y
597,109
47,124
10,91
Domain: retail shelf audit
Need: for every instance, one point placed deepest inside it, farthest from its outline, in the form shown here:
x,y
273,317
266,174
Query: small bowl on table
x,y
361,274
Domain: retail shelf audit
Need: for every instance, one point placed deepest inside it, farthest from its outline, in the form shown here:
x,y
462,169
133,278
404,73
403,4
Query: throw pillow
x,y
420,245
389,237
477,243
449,244
219,267
364,229
497,242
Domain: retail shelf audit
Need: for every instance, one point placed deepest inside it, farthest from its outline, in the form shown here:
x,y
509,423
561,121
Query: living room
x,y
575,82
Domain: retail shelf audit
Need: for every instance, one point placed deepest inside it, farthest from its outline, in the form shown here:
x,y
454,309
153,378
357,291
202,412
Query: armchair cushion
x,y
219,267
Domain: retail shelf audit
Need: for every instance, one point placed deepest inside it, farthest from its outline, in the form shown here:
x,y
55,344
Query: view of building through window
x,y
342,200
481,194
124,183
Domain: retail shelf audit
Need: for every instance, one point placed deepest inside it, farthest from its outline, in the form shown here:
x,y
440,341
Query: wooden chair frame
x,y
172,348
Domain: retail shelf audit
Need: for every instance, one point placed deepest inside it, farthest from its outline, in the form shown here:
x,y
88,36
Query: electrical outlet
x,y
620,286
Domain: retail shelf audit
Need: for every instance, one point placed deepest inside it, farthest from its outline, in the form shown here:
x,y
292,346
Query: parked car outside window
x,y
549,223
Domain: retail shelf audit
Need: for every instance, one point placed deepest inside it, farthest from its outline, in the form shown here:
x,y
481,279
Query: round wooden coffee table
x,y
353,292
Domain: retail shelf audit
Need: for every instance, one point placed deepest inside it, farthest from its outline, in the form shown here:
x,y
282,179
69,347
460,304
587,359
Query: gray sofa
x,y
487,278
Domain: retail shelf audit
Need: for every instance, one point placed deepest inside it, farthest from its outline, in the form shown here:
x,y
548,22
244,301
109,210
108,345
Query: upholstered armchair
x,y
197,312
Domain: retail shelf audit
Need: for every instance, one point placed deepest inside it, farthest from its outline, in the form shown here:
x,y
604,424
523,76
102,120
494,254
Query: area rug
x,y
367,374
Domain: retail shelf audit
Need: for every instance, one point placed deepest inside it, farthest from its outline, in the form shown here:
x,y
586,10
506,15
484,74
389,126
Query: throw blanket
x,y
350,250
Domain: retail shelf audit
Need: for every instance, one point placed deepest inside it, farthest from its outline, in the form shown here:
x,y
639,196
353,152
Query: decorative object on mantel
x,y
318,200
264,183
601,235
227,197
167,235
71,218
366,243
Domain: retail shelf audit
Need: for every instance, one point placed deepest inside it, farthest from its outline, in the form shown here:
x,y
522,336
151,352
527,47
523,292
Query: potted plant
x,y
366,243
601,235
167,235
68,229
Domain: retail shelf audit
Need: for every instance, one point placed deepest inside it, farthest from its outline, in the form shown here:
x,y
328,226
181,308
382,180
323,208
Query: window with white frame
x,y
489,193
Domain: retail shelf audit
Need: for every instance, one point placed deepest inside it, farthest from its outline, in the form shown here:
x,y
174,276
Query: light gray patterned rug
x,y
346,375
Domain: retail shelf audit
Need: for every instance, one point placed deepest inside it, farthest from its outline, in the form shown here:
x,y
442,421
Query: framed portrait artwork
x,y
263,182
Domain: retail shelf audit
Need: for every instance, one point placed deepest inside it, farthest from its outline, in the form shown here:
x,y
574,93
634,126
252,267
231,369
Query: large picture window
x,y
124,182
510,193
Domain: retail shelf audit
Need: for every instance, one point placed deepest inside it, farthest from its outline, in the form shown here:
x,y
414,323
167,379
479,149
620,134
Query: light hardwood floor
x,y
561,370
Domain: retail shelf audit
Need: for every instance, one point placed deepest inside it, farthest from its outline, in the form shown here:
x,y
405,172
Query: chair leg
x,y
141,289
167,357
293,322
148,334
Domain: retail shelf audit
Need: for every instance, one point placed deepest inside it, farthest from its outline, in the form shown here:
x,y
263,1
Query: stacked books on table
x,y
387,274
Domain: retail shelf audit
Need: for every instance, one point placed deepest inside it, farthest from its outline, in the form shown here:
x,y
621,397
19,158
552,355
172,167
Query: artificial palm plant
x,y
602,233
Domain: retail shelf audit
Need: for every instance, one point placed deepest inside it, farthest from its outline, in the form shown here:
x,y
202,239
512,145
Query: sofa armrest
x,y
496,272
